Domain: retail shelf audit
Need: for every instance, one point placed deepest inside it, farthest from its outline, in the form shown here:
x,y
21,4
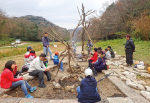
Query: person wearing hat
x,y
56,61
89,45
46,47
111,52
129,49
29,49
87,91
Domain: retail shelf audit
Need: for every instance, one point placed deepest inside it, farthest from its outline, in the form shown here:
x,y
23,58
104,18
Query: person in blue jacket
x,y
56,61
99,64
87,91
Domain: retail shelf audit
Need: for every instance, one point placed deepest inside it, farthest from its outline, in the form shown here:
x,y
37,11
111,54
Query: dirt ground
x,y
105,87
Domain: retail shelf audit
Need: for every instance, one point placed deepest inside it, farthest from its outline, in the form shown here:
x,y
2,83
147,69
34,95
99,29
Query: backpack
x,y
25,68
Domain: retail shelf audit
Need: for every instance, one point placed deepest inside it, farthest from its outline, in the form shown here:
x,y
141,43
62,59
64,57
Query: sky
x,y
63,13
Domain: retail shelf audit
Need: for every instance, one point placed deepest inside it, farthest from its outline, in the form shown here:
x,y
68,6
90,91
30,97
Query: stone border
x,y
135,97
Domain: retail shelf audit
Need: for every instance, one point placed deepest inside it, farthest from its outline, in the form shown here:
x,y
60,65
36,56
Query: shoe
x,y
94,72
29,96
42,86
32,89
61,69
48,79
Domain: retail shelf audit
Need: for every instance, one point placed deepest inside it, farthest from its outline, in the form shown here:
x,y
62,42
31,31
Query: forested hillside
x,y
120,18
28,28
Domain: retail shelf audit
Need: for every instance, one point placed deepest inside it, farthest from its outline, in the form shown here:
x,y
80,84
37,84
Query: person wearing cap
x,y
87,91
56,61
89,45
46,47
29,49
129,49
111,52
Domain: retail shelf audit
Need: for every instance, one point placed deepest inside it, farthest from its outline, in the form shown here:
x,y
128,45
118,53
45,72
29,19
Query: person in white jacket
x,y
37,68
107,53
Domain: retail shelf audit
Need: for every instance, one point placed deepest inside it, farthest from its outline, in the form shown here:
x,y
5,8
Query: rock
x,y
129,75
119,62
140,70
147,88
57,86
112,67
68,88
72,87
109,63
121,66
116,64
140,67
130,69
135,85
146,75
138,81
125,64
80,79
123,78
118,71
146,94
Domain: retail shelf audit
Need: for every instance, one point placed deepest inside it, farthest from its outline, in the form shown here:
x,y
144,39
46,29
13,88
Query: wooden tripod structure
x,y
68,45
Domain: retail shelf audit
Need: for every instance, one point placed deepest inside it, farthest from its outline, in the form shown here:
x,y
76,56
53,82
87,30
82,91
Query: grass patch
x,y
6,41
142,48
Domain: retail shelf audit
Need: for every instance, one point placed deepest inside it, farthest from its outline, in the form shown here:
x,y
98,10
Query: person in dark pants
x,y
129,49
46,47
37,68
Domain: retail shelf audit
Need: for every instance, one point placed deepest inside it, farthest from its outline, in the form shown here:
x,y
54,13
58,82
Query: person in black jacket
x,y
129,49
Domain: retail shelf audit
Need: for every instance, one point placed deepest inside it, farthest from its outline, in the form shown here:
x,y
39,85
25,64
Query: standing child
x,y
26,60
56,61
87,91
31,56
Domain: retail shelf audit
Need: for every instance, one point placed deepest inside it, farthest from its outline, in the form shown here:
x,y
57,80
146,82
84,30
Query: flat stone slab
x,y
146,75
120,100
9,100
52,66
130,69
34,100
135,97
3,90
139,70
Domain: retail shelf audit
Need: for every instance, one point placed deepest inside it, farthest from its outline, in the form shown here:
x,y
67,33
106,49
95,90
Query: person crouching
x,y
56,61
87,91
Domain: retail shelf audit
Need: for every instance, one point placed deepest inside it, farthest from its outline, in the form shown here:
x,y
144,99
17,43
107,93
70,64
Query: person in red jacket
x,y
7,79
93,58
31,55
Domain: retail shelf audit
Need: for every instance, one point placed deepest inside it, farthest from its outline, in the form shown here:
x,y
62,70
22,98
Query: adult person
x,y
8,80
37,68
87,91
129,49
89,45
46,47
111,52
93,58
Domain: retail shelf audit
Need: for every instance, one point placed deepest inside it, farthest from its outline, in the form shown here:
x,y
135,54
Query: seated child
x,y
100,64
56,61
94,58
107,53
81,56
111,51
87,91
31,55
26,60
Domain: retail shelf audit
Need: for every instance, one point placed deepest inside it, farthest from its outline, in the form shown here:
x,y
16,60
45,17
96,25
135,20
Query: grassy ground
x,y
142,51
20,58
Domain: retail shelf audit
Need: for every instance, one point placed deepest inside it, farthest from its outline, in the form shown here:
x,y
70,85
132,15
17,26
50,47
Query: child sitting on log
x,y
31,55
56,61
87,91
